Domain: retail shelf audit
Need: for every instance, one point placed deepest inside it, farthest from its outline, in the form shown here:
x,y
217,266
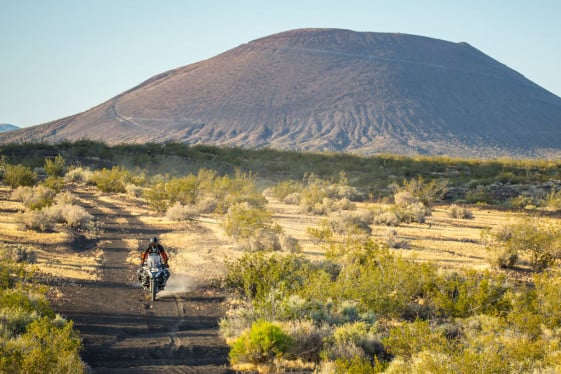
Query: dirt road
x,y
123,331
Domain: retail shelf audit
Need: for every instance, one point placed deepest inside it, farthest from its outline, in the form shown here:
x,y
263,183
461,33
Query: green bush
x,y
18,175
262,344
471,293
480,195
417,190
243,220
256,275
536,239
55,167
32,338
285,188
409,338
113,180
54,183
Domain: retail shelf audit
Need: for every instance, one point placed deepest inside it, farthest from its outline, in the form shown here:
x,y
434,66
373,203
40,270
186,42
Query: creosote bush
x,y
34,198
455,211
534,239
263,343
18,175
33,339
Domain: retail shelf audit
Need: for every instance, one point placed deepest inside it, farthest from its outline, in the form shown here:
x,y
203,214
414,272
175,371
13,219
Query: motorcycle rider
x,y
154,247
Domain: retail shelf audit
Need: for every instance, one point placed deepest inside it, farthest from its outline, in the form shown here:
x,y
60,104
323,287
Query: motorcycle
x,y
153,275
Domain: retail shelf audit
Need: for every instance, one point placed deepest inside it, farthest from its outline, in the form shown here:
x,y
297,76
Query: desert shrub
x,y
133,190
535,238
75,215
503,257
415,212
32,338
553,200
380,280
49,346
409,338
293,198
255,275
18,253
33,198
307,340
521,202
471,293
348,223
79,174
54,183
184,190
321,234
157,196
404,198
387,218
289,243
263,343
180,212
455,211
417,190
394,241
344,204
38,220
63,198
207,204
18,175
113,180
479,195
547,301
285,188
264,240
55,167
242,220
355,340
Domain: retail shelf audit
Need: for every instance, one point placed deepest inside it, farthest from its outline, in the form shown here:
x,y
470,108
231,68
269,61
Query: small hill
x,y
332,90
7,127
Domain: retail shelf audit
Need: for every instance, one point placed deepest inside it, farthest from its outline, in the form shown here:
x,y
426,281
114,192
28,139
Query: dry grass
x,y
449,242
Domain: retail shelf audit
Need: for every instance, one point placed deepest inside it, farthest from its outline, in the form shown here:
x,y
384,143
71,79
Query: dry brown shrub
x,y
264,240
456,211
37,220
289,243
180,212
75,215
394,241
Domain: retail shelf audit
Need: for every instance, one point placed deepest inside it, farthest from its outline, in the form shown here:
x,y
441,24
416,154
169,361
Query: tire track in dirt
x,y
125,332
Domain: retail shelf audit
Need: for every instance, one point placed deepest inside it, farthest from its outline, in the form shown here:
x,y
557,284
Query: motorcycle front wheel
x,y
153,288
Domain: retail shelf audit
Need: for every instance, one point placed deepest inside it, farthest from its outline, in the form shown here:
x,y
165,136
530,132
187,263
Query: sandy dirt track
x,y
123,331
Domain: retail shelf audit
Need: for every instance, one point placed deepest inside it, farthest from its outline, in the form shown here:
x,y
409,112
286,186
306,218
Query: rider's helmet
x,y
154,240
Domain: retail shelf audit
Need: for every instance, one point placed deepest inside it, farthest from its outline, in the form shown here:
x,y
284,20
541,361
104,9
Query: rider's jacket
x,y
155,248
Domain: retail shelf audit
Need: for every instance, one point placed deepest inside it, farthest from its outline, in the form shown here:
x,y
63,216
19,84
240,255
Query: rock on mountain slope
x,y
332,90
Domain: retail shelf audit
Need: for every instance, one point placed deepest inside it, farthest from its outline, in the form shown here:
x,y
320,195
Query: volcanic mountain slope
x,y
332,90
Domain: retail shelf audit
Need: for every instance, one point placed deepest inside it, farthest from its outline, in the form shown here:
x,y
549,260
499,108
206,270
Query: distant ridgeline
x,y
7,127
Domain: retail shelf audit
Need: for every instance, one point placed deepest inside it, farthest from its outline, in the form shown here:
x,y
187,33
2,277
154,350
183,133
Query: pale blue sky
x,y
61,57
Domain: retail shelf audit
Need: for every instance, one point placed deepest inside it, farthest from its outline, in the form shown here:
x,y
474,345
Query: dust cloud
x,y
179,284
